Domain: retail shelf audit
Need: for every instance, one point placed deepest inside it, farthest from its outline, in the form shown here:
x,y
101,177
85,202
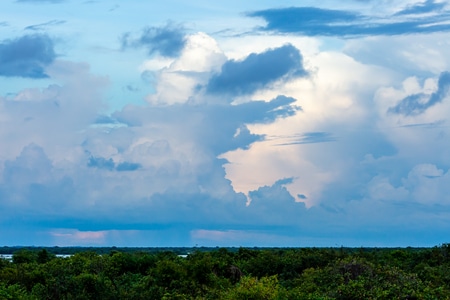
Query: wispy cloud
x,y
42,26
429,6
306,138
313,21
430,125
166,40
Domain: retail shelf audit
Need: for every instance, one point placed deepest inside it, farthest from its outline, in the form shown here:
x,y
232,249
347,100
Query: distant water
x,y
10,256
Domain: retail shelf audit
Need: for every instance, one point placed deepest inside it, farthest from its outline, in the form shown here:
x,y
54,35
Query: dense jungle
x,y
225,273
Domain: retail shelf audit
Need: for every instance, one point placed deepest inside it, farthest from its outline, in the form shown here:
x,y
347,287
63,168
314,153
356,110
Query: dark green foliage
x,y
24,256
219,273
44,256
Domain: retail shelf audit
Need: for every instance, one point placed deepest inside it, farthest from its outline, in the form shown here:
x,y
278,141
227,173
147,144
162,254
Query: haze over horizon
x,y
236,123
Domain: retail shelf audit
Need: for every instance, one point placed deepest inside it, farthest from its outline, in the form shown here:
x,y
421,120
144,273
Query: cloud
x,y
338,131
221,126
53,117
41,189
179,169
101,163
422,143
127,166
264,197
168,40
418,103
257,71
425,125
428,6
105,119
31,166
401,54
75,237
110,165
162,158
177,80
243,238
26,56
289,19
307,138
315,21
44,25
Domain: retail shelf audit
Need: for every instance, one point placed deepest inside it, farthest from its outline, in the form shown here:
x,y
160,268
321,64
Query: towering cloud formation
x,y
316,126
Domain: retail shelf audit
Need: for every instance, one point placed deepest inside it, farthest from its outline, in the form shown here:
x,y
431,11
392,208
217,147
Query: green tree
x,y
44,256
12,292
24,256
252,288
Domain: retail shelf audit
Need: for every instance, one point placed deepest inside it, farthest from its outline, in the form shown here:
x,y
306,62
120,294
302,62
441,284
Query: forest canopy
x,y
226,273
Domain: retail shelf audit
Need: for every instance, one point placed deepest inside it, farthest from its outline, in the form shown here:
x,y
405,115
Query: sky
x,y
228,123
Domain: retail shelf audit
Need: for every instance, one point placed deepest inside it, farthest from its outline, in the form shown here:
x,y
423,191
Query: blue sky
x,y
236,123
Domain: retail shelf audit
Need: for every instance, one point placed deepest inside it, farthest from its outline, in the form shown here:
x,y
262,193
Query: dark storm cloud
x,y
257,71
314,21
418,103
166,40
26,56
44,25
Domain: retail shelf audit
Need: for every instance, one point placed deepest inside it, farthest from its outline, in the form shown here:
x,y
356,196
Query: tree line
x,y
229,274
